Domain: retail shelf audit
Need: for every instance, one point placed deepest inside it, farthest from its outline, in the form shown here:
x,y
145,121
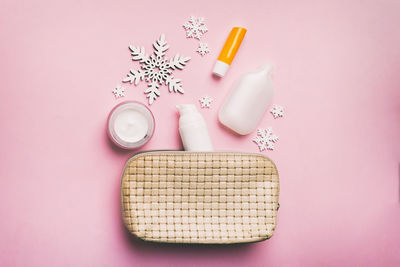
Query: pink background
x,y
337,67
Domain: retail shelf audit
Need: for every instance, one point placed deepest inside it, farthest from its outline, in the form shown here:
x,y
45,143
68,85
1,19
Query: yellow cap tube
x,y
229,50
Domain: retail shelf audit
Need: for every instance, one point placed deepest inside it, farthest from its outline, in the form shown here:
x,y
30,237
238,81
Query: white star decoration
x,y
119,91
195,27
205,101
265,139
277,111
203,49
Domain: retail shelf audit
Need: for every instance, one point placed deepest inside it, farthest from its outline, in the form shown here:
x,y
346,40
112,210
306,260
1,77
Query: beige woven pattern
x,y
190,197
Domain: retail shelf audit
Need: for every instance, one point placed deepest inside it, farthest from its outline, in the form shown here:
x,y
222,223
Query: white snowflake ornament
x,y
195,27
119,91
265,139
277,111
156,69
203,49
205,101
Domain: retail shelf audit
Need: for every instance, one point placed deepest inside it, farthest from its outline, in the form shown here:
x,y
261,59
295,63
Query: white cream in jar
x,y
130,125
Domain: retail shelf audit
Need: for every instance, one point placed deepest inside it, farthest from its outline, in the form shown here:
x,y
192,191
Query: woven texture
x,y
190,197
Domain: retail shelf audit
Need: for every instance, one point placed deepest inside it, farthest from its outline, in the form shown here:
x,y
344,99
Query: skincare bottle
x,y
229,51
247,102
193,129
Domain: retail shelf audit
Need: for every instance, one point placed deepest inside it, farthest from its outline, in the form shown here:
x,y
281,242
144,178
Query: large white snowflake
x,y
157,69
195,27
265,139
277,111
203,49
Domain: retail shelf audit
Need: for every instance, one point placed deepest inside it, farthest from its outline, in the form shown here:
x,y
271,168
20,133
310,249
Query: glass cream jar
x,y
130,125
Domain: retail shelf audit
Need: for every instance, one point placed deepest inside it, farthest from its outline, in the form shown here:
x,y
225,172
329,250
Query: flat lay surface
x,y
336,67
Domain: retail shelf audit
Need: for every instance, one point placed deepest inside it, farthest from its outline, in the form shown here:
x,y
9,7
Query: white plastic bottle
x,y
247,102
193,129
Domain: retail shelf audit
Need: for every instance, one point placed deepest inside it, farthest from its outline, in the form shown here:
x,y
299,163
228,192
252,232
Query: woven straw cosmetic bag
x,y
200,197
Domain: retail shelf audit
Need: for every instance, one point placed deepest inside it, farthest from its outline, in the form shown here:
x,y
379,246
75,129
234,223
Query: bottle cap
x,y
186,108
220,68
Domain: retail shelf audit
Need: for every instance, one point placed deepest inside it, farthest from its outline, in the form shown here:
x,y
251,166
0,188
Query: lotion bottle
x,y
247,102
193,129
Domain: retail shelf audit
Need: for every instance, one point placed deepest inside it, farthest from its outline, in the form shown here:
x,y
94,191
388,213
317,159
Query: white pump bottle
x,y
193,129
247,102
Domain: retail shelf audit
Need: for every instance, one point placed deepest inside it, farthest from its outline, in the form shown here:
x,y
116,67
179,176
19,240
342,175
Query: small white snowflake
x,y
157,69
205,101
203,49
277,111
265,139
119,91
195,27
